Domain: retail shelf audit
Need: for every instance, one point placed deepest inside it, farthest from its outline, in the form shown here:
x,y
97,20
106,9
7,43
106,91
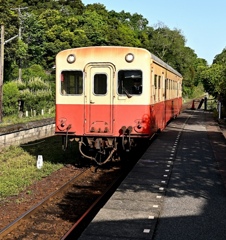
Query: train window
x,y
130,82
71,82
166,87
159,82
100,84
155,81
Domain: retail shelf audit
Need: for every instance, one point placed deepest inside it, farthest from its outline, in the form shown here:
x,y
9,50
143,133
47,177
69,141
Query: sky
x,y
201,22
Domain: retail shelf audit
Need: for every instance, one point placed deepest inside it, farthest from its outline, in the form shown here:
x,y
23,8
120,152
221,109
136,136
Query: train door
x,y
99,98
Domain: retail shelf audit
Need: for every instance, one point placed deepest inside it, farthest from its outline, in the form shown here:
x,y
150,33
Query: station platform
x,y
175,191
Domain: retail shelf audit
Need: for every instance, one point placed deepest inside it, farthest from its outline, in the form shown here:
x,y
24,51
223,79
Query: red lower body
x,y
112,120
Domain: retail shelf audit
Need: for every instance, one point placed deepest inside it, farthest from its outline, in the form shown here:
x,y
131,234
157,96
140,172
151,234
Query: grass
x,y
14,119
18,164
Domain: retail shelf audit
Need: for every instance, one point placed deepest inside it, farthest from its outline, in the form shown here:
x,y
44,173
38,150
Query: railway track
x,y
78,227
57,214
65,213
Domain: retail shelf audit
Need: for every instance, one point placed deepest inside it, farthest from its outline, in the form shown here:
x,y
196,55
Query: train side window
x,y
155,81
156,87
130,82
159,82
166,88
100,84
71,82
159,88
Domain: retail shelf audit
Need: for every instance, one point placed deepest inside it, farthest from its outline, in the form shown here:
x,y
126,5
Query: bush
x,y
10,98
37,95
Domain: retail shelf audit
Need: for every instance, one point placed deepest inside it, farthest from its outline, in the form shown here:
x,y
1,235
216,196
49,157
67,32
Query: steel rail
x,y
100,201
6,230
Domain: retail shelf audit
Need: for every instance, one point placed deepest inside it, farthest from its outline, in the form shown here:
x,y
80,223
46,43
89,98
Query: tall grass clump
x,y
35,94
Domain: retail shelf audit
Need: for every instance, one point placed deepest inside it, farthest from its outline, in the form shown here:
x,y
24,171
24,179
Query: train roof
x,y
152,56
165,65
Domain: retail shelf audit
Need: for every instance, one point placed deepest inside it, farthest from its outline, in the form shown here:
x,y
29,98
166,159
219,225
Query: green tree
x,y
9,19
214,80
167,44
220,58
94,27
34,36
51,26
51,33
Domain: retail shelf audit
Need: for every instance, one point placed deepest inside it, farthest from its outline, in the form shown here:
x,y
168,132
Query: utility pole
x,y
20,35
1,70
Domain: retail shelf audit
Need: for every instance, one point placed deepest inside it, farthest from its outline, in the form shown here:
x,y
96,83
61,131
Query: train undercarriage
x,y
103,149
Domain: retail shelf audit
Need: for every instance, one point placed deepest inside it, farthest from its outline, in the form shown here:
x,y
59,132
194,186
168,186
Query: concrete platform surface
x,y
177,189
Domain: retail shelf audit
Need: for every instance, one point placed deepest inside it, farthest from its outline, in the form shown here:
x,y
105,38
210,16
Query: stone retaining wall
x,y
25,135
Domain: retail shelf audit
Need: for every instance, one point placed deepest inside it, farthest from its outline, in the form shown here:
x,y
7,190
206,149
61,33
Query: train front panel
x,y
108,98
104,92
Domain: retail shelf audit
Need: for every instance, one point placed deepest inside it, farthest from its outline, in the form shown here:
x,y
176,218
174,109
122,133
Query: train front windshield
x,y
130,82
71,82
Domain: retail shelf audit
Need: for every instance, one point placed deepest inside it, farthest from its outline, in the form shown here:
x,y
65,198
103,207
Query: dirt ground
x,y
12,207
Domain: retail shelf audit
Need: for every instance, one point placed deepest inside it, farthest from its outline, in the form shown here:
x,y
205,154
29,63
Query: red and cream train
x,y
96,103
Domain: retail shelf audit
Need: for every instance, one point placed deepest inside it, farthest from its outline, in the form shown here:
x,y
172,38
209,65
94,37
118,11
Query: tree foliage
x,y
213,77
48,27
214,80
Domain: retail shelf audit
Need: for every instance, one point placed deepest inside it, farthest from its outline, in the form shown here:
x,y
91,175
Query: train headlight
x,y
129,57
71,58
